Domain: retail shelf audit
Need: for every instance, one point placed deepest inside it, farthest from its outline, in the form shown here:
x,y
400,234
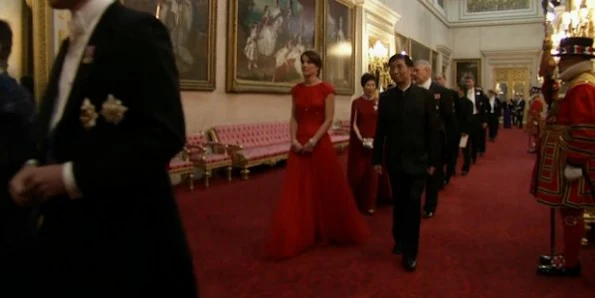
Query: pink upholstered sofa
x,y
263,143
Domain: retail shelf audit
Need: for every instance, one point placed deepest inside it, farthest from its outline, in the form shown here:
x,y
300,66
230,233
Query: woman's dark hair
x,y
5,42
314,58
368,77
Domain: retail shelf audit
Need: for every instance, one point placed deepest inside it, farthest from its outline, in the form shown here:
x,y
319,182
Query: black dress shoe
x,y
428,214
410,264
545,260
465,173
397,250
549,270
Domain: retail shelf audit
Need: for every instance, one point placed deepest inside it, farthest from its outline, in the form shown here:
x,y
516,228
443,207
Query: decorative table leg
x,y
229,172
191,181
245,172
207,177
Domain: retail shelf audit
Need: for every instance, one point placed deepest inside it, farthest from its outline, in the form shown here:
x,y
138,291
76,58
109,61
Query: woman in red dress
x,y
363,179
316,205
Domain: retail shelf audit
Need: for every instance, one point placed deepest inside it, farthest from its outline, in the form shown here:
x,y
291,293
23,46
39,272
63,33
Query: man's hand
x,y
37,184
18,186
378,169
484,125
431,171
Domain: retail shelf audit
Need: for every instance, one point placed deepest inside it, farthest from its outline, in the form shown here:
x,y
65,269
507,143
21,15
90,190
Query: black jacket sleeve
x,y
381,129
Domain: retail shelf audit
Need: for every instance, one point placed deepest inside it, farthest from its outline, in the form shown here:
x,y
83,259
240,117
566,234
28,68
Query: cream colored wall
x,y
205,109
11,11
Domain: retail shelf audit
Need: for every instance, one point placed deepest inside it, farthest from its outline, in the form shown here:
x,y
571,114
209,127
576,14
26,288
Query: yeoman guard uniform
x,y
564,173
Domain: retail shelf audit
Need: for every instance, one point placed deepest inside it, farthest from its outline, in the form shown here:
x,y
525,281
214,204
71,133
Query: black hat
x,y
576,46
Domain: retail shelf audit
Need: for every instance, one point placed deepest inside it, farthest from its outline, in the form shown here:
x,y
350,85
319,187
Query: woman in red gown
x,y
363,179
316,204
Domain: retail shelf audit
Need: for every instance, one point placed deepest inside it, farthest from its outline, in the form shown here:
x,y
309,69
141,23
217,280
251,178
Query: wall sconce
x,y
378,64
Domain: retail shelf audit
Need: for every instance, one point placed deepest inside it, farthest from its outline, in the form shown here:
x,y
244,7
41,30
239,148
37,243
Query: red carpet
x,y
483,242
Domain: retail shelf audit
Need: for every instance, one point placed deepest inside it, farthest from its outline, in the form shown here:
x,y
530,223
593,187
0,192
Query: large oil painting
x,y
339,41
265,41
191,24
475,6
465,67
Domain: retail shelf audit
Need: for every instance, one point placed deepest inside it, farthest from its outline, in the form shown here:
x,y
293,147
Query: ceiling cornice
x,y
440,15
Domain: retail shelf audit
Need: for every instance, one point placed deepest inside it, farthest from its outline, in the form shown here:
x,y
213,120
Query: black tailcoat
x,y
124,237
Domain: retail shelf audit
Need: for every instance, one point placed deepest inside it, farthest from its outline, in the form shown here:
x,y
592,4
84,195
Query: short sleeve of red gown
x,y
329,88
295,91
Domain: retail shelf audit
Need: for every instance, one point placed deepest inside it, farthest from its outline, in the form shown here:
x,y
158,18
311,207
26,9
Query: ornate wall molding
x,y
436,10
527,58
43,32
378,21
446,54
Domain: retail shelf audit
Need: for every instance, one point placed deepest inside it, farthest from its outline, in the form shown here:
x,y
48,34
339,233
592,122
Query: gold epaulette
x,y
583,78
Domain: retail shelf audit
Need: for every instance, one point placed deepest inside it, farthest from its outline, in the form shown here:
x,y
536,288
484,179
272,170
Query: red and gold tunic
x,y
535,123
568,139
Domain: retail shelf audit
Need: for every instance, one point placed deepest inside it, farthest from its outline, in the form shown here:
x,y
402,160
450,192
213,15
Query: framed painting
x,y
265,41
339,42
192,26
420,52
402,43
464,67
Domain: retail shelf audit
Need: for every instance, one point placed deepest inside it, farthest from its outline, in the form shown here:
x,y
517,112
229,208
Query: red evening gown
x,y
366,184
316,204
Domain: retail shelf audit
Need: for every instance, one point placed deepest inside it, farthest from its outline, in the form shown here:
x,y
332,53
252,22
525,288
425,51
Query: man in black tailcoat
x,y
494,114
479,120
110,121
407,125
465,120
446,123
453,138
17,114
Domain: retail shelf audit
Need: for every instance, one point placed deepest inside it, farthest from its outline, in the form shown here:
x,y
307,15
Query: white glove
x,y
573,173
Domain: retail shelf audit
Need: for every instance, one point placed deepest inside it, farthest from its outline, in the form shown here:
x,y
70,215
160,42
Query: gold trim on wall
x,y
352,18
43,54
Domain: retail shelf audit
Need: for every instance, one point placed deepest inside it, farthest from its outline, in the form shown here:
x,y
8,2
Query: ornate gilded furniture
x,y
181,165
264,143
208,156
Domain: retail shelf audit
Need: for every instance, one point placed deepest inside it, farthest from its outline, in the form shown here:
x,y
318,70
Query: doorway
x,y
511,81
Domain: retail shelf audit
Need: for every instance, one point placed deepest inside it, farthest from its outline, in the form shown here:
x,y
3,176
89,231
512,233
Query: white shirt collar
x,y
426,84
87,15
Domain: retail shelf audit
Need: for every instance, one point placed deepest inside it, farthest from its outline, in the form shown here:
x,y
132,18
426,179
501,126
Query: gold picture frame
x,y
194,75
466,66
342,75
261,75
